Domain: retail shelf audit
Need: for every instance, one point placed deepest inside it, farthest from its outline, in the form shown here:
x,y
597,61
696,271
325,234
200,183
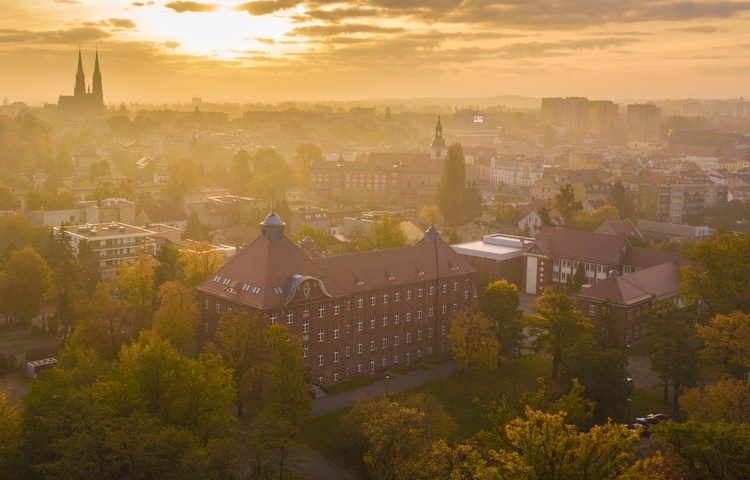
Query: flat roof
x,y
105,230
494,247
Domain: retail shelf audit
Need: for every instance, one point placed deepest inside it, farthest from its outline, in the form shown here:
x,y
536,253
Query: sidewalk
x,y
425,373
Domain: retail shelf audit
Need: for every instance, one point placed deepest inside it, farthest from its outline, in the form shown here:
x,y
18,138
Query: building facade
x,y
84,102
357,314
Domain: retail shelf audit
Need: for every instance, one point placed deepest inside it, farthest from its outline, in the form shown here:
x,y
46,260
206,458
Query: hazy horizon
x,y
272,51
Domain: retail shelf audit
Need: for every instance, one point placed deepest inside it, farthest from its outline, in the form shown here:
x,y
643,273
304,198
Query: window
x,y
395,318
419,335
372,367
442,308
321,334
348,304
385,362
395,339
273,318
445,286
336,308
360,323
455,306
359,367
206,304
385,320
420,291
321,360
372,300
335,356
372,322
305,311
408,337
419,353
348,328
360,302
336,332
359,348
218,307
408,293
305,351
455,285
408,316
395,359
385,297
335,376
431,311
321,311
384,342
348,350
442,330
592,309
372,345
429,333
466,294
289,316
419,313
432,290
305,325
397,295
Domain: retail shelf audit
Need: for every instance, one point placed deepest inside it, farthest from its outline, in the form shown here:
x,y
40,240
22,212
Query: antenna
x,y
273,200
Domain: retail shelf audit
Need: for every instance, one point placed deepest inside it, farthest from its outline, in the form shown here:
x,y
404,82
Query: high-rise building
x,y
84,102
644,123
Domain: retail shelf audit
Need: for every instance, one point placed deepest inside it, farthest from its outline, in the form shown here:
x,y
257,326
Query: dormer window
x,y
217,278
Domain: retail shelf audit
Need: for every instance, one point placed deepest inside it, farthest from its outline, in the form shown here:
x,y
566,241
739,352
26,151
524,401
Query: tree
x,y
727,342
719,277
177,317
316,234
392,439
544,216
501,304
557,324
24,284
243,343
239,173
451,189
67,296
201,261
170,267
727,400
717,451
672,347
304,156
89,266
135,287
387,233
10,434
565,203
101,328
621,198
473,340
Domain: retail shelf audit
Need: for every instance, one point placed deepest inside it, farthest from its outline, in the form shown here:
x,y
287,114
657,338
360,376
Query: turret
x,y
273,227
97,83
438,150
80,88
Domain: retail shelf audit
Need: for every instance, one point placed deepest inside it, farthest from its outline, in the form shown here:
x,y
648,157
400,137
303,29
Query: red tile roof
x,y
582,246
660,282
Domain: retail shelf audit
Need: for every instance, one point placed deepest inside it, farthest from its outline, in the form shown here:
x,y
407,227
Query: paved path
x,y
425,373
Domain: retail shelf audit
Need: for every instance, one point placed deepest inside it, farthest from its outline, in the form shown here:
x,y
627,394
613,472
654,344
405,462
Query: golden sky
x,y
275,50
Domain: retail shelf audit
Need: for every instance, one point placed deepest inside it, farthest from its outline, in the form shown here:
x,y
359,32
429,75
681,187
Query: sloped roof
x,y
165,212
580,245
659,282
623,228
648,257
270,265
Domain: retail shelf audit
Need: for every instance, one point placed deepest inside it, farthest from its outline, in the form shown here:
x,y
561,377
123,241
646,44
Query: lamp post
x,y
387,377
627,420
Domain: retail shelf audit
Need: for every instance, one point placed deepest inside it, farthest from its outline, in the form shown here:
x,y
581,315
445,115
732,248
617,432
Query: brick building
x,y
357,314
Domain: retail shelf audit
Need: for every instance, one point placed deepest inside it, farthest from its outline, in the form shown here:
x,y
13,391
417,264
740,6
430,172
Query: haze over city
x,y
345,50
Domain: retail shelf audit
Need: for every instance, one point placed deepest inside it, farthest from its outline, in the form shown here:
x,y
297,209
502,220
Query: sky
x,y
278,50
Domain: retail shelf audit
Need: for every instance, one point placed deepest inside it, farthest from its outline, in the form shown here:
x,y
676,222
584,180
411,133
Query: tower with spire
x,y
438,149
84,102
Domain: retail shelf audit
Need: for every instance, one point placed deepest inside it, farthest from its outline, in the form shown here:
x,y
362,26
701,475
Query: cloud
x,y
141,4
266,7
71,2
331,30
171,45
122,22
72,36
267,41
699,29
193,7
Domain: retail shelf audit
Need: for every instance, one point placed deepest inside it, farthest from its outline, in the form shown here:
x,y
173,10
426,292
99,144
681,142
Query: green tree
x,y
89,266
719,277
566,204
452,187
67,296
244,345
24,284
501,304
101,329
239,173
176,319
673,348
473,341
727,342
387,233
10,434
558,324
621,198
201,261
135,287
727,400
710,451
316,234
170,267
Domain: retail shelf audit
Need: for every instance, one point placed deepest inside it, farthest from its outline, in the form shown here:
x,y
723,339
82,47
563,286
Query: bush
x,y
8,363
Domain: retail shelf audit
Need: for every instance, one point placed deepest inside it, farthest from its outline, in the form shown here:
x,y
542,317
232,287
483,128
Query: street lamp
x,y
387,377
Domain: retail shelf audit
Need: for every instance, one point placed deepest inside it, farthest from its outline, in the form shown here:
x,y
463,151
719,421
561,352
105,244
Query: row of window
x,y
321,337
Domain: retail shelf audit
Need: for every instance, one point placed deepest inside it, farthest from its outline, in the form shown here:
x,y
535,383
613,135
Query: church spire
x,y
438,148
80,88
97,83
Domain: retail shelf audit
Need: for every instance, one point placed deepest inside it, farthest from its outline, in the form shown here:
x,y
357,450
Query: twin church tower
x,y
84,102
